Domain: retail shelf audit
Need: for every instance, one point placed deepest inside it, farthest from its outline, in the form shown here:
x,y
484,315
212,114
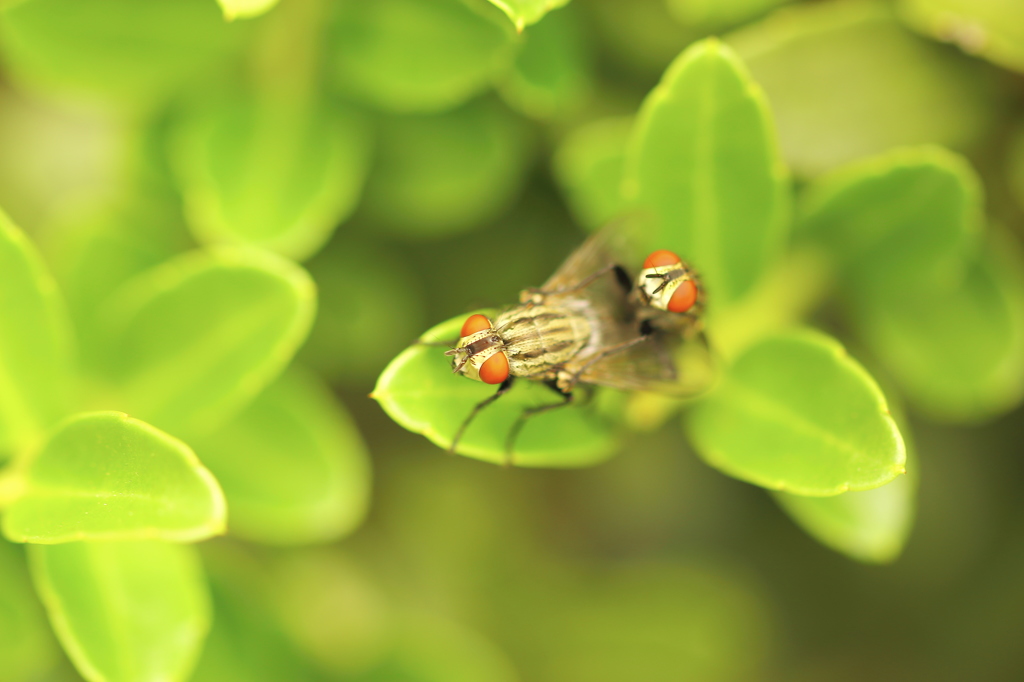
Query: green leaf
x,y
193,340
796,413
993,29
35,344
354,336
268,173
867,525
551,74
416,55
846,80
956,348
419,391
106,476
715,15
589,164
704,162
125,611
293,466
27,649
445,173
139,52
1016,165
526,12
909,215
245,9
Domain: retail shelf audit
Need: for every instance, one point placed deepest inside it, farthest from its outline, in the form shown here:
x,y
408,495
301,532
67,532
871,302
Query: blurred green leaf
x,y
441,174
194,339
551,74
138,52
244,9
125,611
714,15
909,215
704,161
1016,164
525,12
640,35
94,252
868,525
106,476
993,29
845,80
27,649
589,164
955,347
416,55
35,344
354,335
266,172
419,391
293,466
796,413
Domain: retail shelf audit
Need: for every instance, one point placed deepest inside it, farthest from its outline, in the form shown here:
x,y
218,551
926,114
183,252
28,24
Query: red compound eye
x,y
495,369
474,324
661,258
683,298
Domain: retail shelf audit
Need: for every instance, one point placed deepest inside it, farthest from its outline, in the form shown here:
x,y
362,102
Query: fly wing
x,y
607,246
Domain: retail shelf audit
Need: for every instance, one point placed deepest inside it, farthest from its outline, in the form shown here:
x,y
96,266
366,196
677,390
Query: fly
x,y
586,325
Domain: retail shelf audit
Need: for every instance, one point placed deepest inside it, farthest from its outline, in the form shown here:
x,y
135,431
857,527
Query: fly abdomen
x,y
539,337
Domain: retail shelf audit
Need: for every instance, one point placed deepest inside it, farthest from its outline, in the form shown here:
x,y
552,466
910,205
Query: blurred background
x,y
439,161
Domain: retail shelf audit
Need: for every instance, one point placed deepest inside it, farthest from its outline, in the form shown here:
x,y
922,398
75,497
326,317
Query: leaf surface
x,y
35,344
27,649
104,475
193,340
419,391
293,466
125,611
589,165
245,9
525,12
993,29
703,161
796,413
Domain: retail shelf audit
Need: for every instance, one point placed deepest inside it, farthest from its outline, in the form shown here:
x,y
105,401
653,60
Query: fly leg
x,y
513,434
502,390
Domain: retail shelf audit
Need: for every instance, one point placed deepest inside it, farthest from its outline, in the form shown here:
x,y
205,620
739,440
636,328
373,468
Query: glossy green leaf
x,y
867,525
714,15
908,215
417,55
264,172
955,348
193,340
354,336
845,80
293,466
27,648
796,413
550,77
526,12
419,391
125,611
134,51
244,9
703,161
993,29
35,344
104,475
441,174
589,165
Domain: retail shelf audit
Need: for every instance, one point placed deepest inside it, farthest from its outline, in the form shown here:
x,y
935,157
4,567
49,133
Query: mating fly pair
x,y
591,323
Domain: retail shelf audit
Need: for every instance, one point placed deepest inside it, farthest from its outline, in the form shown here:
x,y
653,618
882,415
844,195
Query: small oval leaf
x,y
796,413
245,9
992,29
419,391
193,340
293,466
125,611
269,173
416,55
35,344
104,475
704,162
526,12
589,165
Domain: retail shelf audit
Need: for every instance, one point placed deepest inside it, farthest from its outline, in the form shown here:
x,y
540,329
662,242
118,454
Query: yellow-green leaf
x,y
525,12
245,9
993,29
